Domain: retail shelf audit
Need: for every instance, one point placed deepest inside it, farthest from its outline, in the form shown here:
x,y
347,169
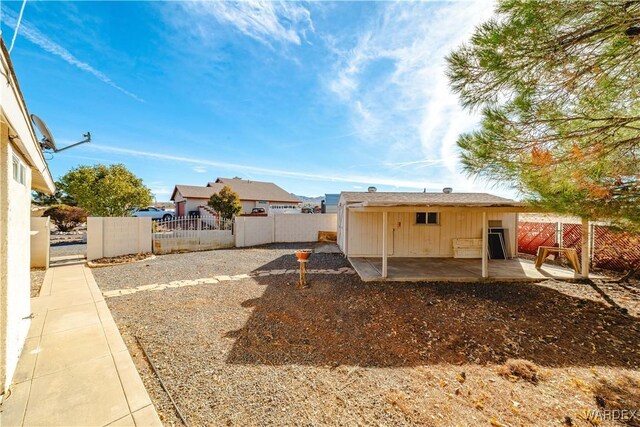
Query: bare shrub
x,y
520,368
65,217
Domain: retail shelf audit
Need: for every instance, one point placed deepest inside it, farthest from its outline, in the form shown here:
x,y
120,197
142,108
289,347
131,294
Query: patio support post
x,y
384,244
585,248
485,246
345,230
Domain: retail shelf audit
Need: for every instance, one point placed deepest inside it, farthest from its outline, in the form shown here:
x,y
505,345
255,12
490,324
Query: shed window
x,y
19,170
427,218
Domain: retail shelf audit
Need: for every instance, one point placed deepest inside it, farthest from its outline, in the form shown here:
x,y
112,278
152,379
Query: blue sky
x,y
318,97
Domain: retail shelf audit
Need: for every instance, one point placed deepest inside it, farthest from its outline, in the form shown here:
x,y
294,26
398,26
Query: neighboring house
x,y
414,225
330,203
190,199
22,169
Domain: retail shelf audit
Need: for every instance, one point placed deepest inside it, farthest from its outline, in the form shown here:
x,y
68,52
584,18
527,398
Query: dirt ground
x,y
259,351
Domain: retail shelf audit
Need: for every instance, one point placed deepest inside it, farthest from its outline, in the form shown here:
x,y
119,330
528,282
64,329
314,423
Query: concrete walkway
x,y
75,368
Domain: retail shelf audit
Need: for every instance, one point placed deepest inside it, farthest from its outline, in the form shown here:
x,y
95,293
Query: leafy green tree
x,y
226,203
65,217
59,197
106,190
558,87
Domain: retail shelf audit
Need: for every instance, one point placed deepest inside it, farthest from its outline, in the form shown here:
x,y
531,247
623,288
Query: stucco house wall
x,y
247,205
22,168
16,226
193,204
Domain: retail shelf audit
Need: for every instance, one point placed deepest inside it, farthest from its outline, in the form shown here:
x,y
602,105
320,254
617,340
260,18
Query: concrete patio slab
x,y
75,368
457,270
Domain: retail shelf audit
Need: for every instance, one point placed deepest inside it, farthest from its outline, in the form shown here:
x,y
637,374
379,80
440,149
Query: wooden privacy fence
x,y
610,249
192,234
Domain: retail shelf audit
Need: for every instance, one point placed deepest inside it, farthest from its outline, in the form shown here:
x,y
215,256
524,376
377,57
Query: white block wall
x,y
109,237
252,231
303,227
40,232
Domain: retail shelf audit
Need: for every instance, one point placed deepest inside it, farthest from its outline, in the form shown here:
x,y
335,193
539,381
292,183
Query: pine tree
x,y
558,87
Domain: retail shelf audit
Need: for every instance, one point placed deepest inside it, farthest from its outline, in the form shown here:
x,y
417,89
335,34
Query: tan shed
x,y
439,228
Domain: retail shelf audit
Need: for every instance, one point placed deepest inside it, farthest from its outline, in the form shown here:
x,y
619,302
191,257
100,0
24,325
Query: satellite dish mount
x,y
47,142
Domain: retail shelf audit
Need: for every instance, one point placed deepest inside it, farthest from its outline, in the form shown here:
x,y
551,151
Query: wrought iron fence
x,y
188,227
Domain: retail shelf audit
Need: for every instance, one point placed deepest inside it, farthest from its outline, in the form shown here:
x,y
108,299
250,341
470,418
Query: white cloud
x,y
199,169
32,34
393,79
160,190
324,176
262,20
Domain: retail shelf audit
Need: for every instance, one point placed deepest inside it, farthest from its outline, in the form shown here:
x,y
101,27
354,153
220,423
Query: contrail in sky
x,y
36,37
15,32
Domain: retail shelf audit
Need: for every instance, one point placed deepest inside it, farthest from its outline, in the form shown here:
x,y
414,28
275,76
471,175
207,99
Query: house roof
x,y
427,199
255,190
193,192
246,190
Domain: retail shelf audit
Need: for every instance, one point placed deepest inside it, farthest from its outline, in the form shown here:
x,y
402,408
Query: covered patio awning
x,y
389,202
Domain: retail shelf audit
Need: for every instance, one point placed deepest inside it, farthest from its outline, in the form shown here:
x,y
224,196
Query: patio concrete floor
x,y
75,368
457,270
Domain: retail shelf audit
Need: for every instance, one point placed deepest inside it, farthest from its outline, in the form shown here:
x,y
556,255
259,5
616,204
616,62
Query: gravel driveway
x,y
62,249
68,244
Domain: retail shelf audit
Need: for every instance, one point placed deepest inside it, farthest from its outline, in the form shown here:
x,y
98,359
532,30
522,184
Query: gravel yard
x,y
37,278
259,351
194,265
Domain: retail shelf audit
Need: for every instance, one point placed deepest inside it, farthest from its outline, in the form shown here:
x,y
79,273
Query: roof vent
x,y
447,190
372,189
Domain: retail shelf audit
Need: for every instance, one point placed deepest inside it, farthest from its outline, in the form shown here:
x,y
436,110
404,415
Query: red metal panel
x,y
531,235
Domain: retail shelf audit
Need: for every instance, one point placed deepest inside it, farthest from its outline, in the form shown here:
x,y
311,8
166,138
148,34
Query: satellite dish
x,y
47,142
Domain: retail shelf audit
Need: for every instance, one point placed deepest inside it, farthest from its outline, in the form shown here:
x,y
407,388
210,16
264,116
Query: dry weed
x,y
520,368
